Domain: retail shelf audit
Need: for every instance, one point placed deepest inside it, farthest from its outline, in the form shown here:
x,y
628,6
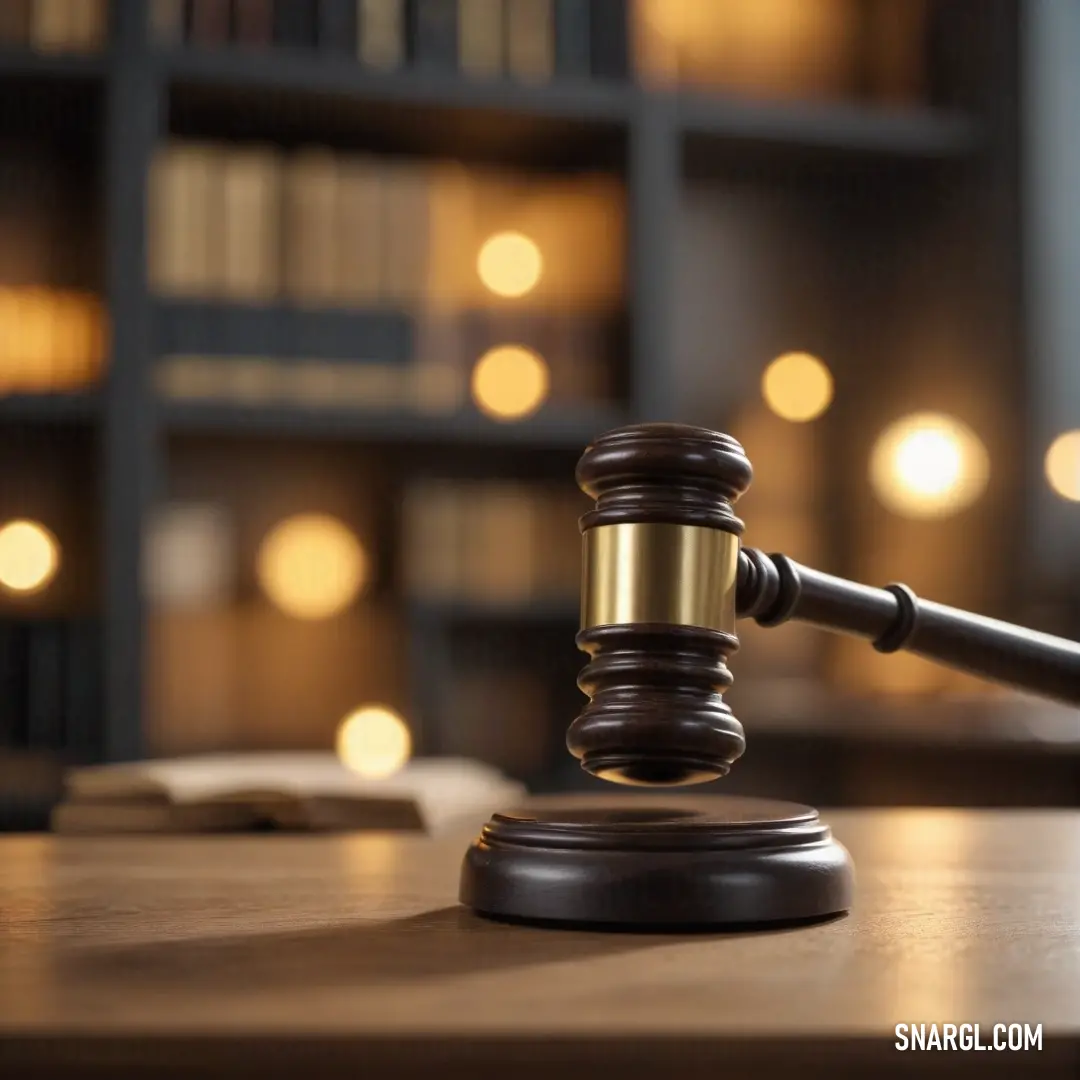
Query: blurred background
x,y
308,308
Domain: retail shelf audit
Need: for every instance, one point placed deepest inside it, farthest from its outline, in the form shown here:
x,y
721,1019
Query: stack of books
x,y
54,26
421,388
529,41
322,229
243,232
248,223
491,543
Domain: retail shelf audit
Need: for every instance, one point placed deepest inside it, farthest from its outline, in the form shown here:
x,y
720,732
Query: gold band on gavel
x,y
658,573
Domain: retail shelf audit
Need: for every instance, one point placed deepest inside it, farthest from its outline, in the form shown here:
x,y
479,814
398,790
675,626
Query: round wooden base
x,y
742,862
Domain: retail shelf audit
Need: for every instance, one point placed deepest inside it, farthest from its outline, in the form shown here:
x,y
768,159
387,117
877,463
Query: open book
x,y
230,792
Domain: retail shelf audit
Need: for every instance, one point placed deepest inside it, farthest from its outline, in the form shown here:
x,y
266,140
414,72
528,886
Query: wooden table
x,y
349,956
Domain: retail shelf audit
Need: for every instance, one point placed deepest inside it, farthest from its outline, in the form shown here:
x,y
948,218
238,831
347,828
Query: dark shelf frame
x,y
22,63
64,408
315,74
549,429
657,132
918,133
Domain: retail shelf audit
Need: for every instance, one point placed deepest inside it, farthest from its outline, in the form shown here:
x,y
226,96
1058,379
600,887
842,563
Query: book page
x,y
438,784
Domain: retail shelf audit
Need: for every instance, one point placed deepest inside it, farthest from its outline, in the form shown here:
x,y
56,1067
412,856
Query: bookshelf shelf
x,y
715,124
543,611
294,95
50,408
603,101
21,63
550,429
208,328
437,113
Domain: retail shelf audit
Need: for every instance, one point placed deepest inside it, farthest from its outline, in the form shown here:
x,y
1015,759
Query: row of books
x,y
51,340
527,40
437,387
430,389
49,684
54,26
769,48
491,542
522,740
323,229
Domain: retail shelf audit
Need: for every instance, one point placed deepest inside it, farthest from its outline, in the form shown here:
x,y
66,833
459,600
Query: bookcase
x,y
842,180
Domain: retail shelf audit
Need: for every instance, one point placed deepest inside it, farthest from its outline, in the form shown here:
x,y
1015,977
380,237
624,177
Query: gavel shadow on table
x,y
664,579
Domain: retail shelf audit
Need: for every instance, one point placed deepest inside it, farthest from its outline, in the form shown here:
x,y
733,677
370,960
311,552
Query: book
x,y
303,790
573,37
433,571
253,23
381,33
51,25
88,25
16,17
432,33
452,281
470,725
183,178
337,26
166,22
209,25
406,225
577,361
251,218
310,233
360,231
530,42
189,560
502,553
296,23
480,38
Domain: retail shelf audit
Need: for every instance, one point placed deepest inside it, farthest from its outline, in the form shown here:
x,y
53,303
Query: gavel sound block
x,y
664,579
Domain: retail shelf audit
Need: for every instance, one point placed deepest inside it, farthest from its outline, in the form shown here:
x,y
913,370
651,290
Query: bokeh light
x,y
797,387
311,566
374,742
510,264
510,382
1063,465
928,465
29,556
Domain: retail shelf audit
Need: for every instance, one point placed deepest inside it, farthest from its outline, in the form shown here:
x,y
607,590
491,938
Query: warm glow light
x,y
1063,465
510,382
797,387
928,465
311,566
49,339
510,264
374,742
29,556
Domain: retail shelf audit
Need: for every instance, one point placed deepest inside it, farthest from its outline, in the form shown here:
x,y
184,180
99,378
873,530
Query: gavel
x,y
665,578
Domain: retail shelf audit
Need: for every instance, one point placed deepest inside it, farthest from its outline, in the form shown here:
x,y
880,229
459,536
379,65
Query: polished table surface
x,y
270,953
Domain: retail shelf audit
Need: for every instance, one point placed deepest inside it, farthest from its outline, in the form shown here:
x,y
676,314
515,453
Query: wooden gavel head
x,y
660,556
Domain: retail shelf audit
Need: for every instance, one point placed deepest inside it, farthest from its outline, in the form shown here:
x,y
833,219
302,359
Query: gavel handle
x,y
773,589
